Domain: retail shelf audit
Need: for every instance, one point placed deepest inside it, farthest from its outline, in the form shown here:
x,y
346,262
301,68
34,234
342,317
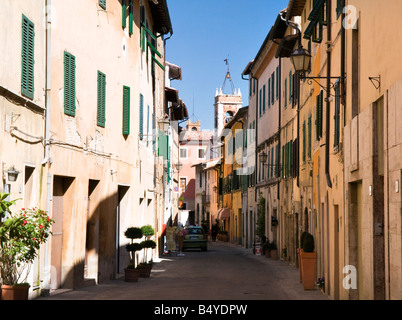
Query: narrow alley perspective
x,y
201,150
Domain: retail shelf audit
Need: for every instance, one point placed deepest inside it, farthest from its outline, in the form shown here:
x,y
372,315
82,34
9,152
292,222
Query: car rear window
x,y
195,231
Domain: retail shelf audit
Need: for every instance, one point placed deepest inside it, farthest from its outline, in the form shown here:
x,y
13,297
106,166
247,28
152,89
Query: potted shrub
x,y
21,235
274,250
266,249
308,262
132,273
146,266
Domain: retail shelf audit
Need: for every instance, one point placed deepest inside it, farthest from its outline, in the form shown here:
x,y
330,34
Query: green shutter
x,y
290,86
318,120
263,99
338,8
153,132
277,171
286,93
123,13
337,114
27,58
309,137
131,17
269,92
101,93
272,162
163,146
69,84
147,125
141,116
260,102
290,144
126,110
273,87
102,4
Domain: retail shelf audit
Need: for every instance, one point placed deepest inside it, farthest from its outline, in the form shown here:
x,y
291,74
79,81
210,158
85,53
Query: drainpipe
x,y
328,102
46,273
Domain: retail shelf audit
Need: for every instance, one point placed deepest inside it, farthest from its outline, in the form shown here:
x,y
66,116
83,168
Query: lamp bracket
x,y
377,82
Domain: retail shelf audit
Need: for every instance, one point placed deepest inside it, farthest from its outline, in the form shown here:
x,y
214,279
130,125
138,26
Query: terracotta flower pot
x,y
267,254
9,292
145,271
131,275
308,262
299,251
274,254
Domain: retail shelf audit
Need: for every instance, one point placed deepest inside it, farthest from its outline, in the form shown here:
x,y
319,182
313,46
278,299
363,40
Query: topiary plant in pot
x,y
146,266
132,273
308,262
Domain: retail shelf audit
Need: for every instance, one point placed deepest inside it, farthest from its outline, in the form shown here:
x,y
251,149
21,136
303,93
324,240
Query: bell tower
x,y
226,104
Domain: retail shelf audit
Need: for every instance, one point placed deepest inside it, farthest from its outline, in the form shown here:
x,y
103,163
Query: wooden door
x,y
57,233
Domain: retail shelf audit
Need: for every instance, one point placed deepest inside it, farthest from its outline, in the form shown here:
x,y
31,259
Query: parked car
x,y
195,238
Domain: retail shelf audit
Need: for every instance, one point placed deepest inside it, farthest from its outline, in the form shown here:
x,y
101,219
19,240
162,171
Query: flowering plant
x,y
21,235
321,282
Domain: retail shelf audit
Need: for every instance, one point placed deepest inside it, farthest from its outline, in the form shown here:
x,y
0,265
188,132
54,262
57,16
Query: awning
x,y
223,213
172,94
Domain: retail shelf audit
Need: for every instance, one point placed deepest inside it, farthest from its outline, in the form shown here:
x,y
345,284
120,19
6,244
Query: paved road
x,y
224,272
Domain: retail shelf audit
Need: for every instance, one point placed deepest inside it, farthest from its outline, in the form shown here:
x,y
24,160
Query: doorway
x,y
92,234
122,257
62,205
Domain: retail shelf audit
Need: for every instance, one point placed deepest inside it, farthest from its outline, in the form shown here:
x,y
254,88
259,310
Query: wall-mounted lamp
x,y
12,174
163,125
178,166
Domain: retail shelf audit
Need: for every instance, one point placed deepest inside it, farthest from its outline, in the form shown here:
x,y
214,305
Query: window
x,y
318,121
337,114
304,141
263,99
69,84
338,8
201,153
309,137
183,184
277,82
27,61
102,4
286,93
290,86
147,126
260,102
273,87
141,117
126,110
183,153
101,99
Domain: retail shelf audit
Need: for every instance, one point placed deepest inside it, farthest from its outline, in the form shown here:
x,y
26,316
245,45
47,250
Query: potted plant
x,y
132,273
274,250
146,266
21,235
321,284
223,235
308,261
266,249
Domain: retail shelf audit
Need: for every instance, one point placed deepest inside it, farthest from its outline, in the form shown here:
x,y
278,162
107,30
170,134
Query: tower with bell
x,y
226,103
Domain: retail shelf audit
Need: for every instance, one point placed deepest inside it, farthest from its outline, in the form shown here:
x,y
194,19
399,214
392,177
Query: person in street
x,y
214,231
180,233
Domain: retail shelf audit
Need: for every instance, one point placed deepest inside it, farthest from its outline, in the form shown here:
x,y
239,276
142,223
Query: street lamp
x,y
301,59
163,125
12,174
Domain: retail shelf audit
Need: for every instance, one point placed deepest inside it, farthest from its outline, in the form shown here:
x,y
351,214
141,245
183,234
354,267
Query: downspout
x,y
279,124
46,273
343,57
328,102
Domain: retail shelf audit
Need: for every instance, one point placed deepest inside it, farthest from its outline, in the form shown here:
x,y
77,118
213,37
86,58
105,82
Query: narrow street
x,y
224,272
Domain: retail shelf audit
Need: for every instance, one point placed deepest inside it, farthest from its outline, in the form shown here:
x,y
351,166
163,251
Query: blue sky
x,y
205,33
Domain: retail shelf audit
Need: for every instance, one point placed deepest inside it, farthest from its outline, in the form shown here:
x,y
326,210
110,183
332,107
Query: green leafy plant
x,y
148,244
147,231
21,235
5,204
133,233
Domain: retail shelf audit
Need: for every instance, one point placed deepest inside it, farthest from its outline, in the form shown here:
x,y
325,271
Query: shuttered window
x,y
318,120
290,86
69,84
123,13
273,87
269,92
27,58
338,8
101,94
102,4
286,93
277,82
309,137
263,99
277,171
131,17
337,114
141,116
126,110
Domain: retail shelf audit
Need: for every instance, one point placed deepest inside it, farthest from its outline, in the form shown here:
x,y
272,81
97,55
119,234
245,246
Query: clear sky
x,y
205,33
